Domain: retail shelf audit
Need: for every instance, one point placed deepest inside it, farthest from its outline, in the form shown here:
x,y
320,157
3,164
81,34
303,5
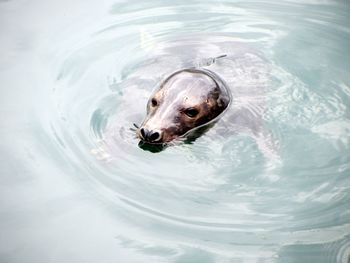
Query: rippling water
x,y
75,186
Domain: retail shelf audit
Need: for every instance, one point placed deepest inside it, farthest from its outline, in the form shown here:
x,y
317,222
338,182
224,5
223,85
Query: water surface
x,y
75,186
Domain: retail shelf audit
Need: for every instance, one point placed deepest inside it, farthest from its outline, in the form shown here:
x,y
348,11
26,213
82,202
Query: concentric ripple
x,y
268,183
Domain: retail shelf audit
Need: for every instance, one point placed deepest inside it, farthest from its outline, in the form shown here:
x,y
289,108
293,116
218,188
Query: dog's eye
x,y
154,102
191,112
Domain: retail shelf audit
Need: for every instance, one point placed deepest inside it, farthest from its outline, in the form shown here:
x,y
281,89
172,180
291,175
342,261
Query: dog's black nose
x,y
150,135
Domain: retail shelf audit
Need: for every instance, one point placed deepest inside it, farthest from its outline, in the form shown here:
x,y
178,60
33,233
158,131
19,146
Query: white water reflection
x,y
75,187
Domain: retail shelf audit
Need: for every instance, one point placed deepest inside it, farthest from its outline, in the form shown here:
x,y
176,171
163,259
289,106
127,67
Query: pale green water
x,y
75,187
